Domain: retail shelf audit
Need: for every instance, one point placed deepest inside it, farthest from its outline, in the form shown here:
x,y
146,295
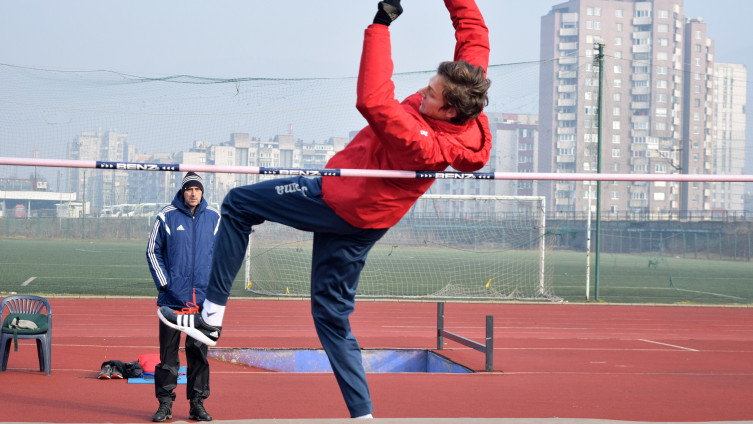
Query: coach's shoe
x,y
165,412
197,411
191,324
116,374
106,372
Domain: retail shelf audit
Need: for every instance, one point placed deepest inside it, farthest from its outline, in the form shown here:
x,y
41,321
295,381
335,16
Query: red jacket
x,y
399,137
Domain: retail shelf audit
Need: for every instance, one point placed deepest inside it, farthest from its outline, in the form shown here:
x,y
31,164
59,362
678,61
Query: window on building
x,y
615,139
662,28
618,13
615,125
615,153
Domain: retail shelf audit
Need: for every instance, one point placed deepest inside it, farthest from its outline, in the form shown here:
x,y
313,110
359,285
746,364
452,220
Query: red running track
x,y
631,363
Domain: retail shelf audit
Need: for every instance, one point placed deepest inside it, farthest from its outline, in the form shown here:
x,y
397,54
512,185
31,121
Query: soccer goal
x,y
446,246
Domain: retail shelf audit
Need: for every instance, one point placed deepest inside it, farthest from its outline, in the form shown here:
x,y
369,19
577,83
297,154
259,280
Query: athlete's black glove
x,y
388,11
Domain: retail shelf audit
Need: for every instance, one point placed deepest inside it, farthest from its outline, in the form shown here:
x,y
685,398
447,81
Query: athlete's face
x,y
432,100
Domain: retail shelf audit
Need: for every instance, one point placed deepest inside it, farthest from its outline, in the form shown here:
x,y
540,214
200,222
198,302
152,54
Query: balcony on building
x,y
566,88
565,158
638,161
568,32
565,102
638,147
566,144
638,203
639,118
642,20
564,187
564,47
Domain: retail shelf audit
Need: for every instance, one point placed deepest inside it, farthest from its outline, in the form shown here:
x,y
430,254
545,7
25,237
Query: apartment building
x,y
95,187
730,86
656,91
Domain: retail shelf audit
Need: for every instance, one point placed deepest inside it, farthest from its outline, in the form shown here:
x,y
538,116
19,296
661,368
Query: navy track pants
x,y
339,255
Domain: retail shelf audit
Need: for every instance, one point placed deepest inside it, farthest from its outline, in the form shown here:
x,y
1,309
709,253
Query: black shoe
x,y
106,372
191,324
116,374
197,411
165,412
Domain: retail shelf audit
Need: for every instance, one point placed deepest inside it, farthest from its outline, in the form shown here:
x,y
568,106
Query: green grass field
x,y
99,268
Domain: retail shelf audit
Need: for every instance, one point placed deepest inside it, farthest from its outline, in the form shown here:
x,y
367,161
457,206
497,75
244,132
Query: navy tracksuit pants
x,y
166,372
339,255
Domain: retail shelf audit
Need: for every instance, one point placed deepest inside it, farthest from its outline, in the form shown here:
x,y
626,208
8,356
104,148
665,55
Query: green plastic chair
x,y
28,308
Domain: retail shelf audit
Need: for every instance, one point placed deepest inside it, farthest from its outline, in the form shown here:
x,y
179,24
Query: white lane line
x,y
26,283
670,345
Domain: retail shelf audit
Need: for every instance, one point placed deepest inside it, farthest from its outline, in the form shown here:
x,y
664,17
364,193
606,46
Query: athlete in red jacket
x,y
442,125
414,135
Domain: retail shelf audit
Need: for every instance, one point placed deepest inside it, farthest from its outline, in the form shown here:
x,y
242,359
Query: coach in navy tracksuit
x,y
179,254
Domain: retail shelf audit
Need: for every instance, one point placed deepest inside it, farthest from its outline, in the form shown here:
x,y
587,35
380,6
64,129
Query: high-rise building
x,y
730,86
97,188
655,117
514,149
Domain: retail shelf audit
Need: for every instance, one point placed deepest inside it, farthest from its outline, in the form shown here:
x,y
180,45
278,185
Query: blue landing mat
x,y
148,378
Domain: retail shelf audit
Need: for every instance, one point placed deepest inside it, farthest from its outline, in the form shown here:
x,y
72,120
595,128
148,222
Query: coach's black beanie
x,y
192,179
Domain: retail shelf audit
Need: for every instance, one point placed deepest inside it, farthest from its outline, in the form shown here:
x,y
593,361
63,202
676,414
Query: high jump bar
x,y
369,173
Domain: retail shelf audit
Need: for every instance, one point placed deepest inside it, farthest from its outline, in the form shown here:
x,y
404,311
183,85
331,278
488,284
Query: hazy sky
x,y
284,38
